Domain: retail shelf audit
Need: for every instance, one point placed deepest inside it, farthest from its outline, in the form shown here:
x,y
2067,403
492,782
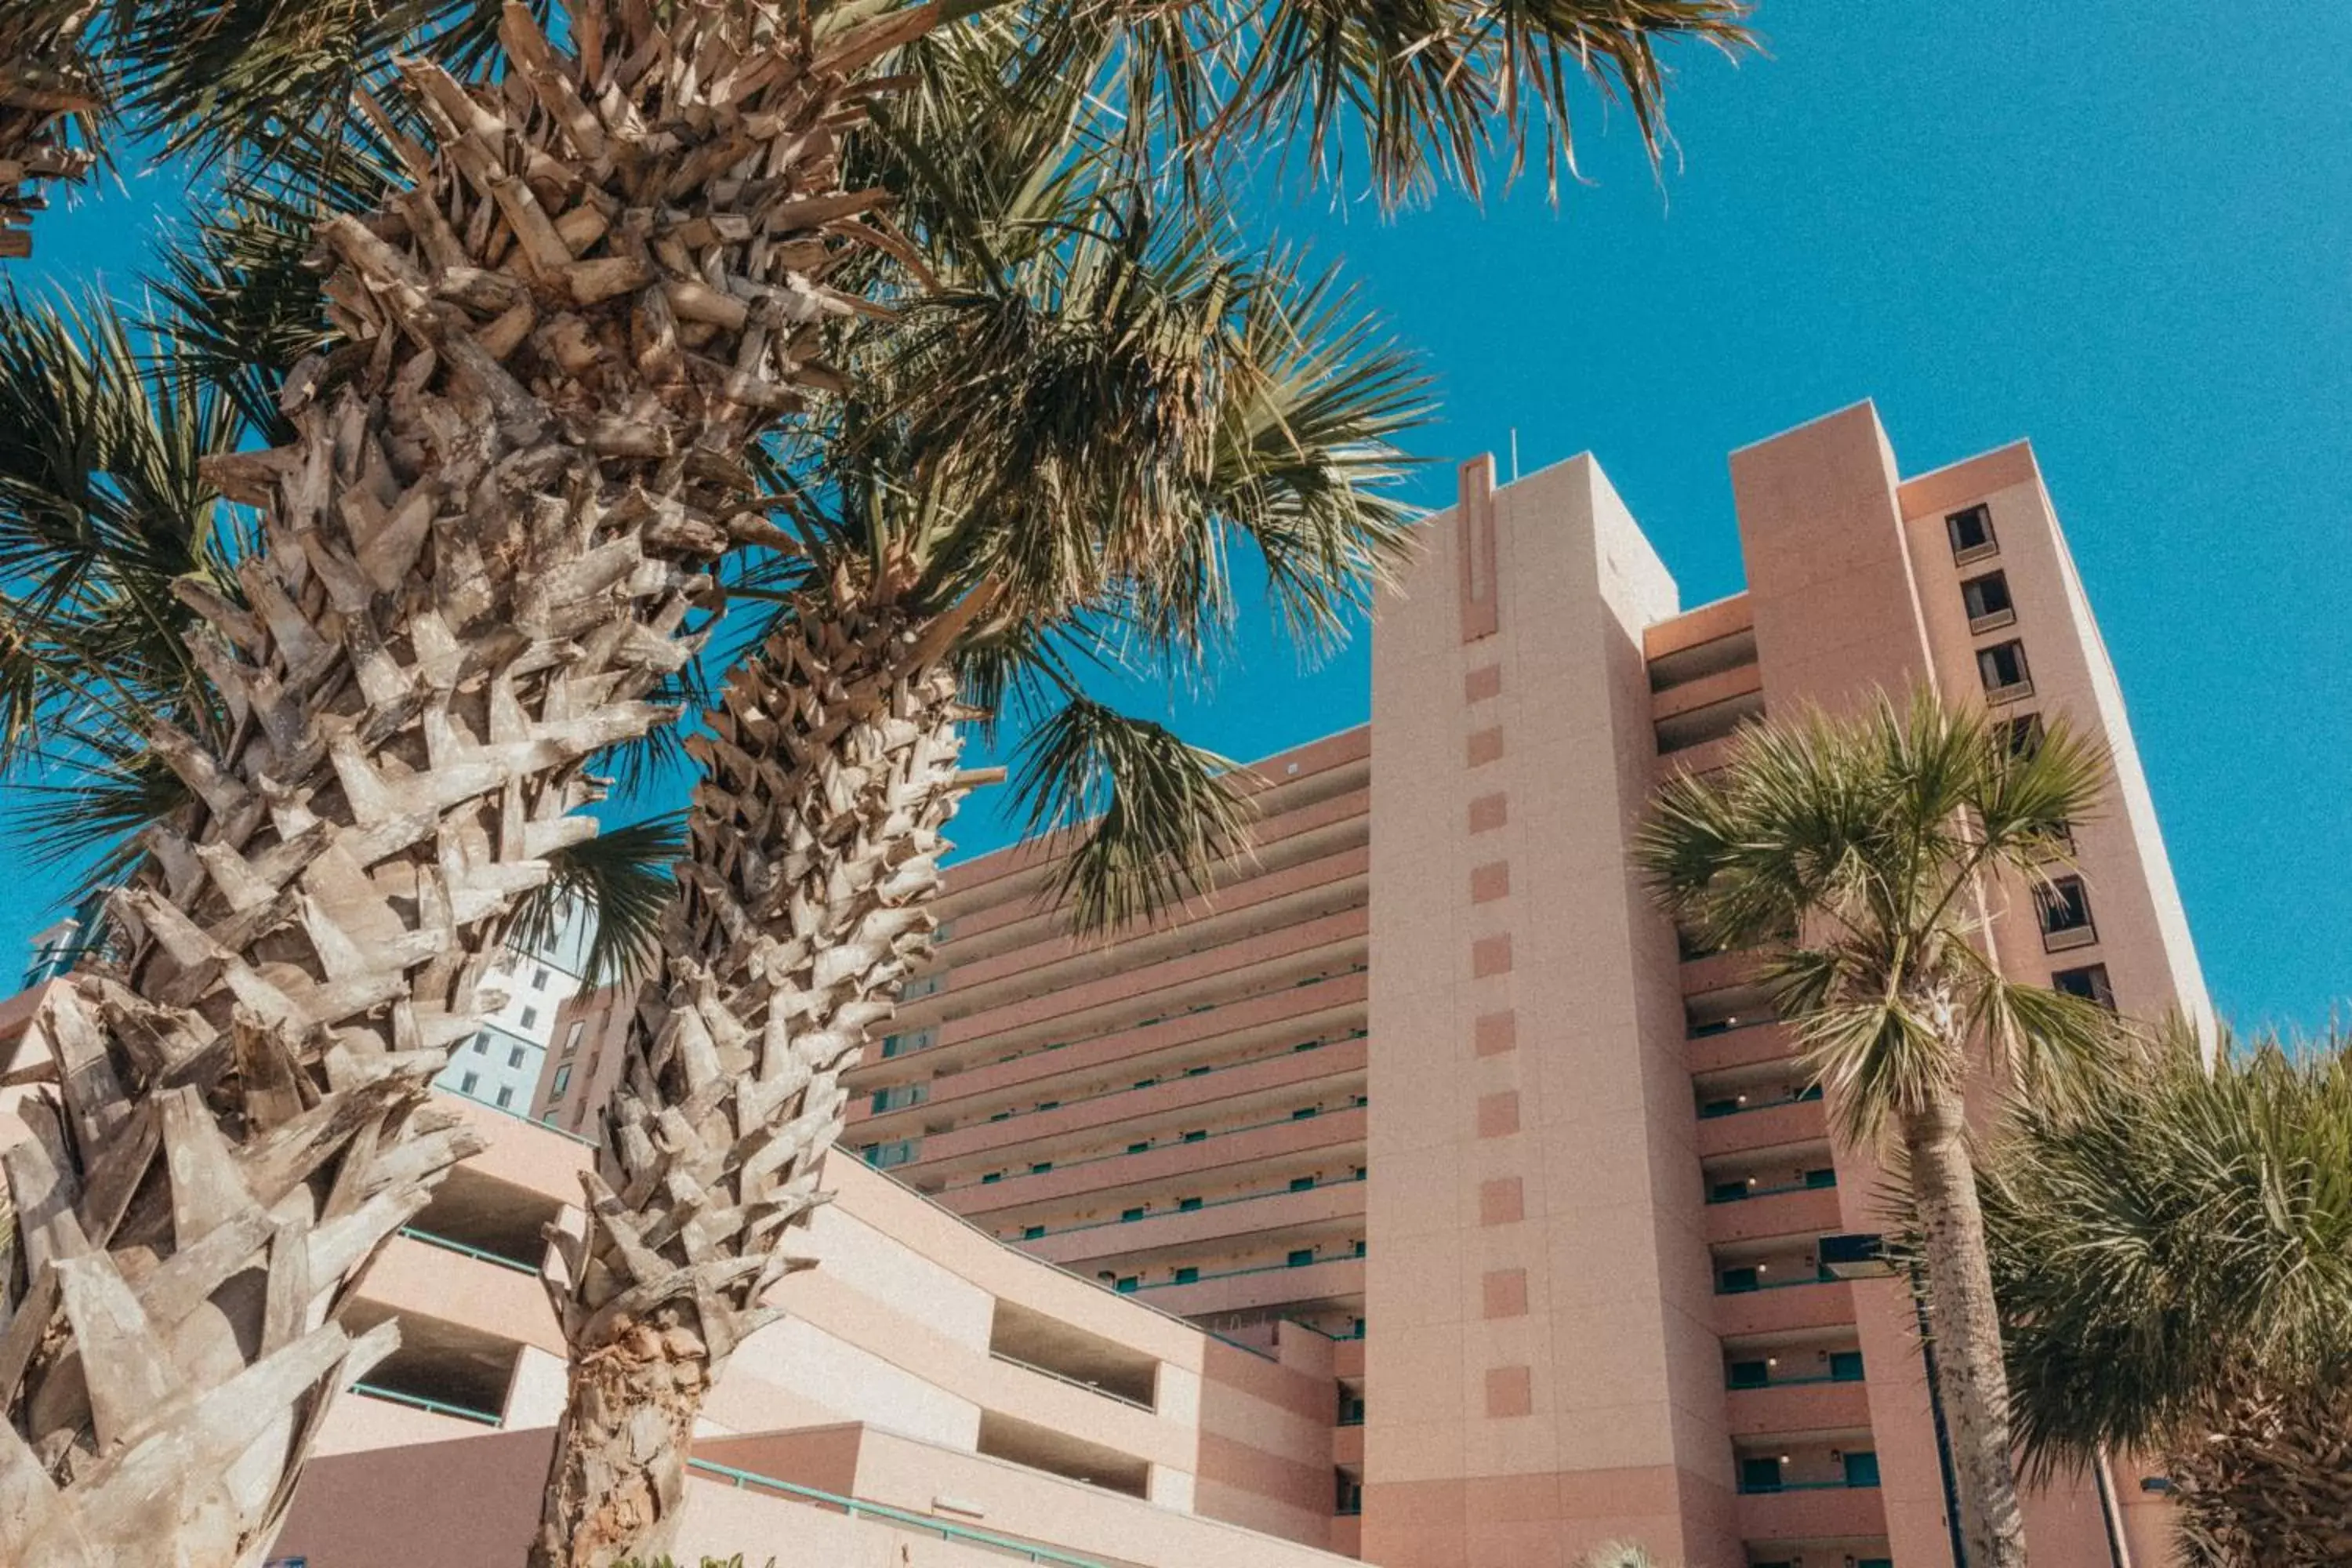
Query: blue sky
x,y
2131,242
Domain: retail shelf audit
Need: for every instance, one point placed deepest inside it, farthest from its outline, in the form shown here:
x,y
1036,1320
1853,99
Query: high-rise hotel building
x,y
1432,1078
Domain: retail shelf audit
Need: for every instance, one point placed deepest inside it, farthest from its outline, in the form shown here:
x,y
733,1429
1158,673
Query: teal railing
x,y
443,1242
1758,1489
987,1540
419,1402
1347,1181
1126,1154
1773,1192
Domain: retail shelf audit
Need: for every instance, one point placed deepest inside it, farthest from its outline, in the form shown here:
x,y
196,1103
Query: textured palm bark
x,y
480,551
45,85
1973,1378
2267,1481
829,773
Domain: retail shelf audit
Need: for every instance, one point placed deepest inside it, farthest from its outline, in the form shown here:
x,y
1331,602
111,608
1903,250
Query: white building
x,y
501,1065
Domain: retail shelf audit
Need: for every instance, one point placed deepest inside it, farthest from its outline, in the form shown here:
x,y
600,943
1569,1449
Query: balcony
x,y
1784,1307
1799,1406
1815,1511
1329,1208
1766,1126
1112,1175
1768,1212
1264,1285
1746,1045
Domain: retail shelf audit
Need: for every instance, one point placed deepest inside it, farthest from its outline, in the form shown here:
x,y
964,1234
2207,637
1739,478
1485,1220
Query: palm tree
x,y
50,100
1859,856
1095,399
480,549
2175,1273
476,555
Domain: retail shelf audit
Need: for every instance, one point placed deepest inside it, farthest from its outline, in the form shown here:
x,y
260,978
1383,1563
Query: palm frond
x,y
53,100
621,880
1142,818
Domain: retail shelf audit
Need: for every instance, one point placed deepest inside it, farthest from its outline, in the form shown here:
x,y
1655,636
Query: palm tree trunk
x,y
2265,1480
481,552
1968,1333
830,771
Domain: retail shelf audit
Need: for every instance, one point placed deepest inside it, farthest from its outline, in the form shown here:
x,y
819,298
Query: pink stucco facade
x,y
1417,1196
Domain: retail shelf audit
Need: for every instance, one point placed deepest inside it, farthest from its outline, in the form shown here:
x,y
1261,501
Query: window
x,y
466,1085
1845,1366
539,980
1186,1205
1820,1178
1727,1192
1759,1475
1358,1248
1750,1374
1197,1072
572,1036
1195,1137
1989,603
1129,1216
1145,1082
1739,1281
2089,983
1300,1257
529,1017
1812,1091
514,1056
1352,1409
1971,534
1041,1167
1715,1107
1350,1499
1186,1275
482,1042
1862,1468
562,1080
1049,1105
1304,1112
2066,908
506,1098
2001,668
2022,736
1126,1285
1302,1184
991,1177
1032,1232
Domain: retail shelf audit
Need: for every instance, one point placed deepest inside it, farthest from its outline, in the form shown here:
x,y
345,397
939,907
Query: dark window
x,y
1971,533
1196,1072
1185,1276
1820,1178
1301,1183
1359,1246
2089,983
1145,1082
1739,1281
1714,1108
1352,1409
514,1056
1186,1205
2023,735
991,1177
1749,1374
1041,1167
1845,1366
530,1016
1127,1286
1141,1148
1304,1111
1759,1475
1127,1217
506,1098
482,1042
1988,600
1727,1192
1862,1468
1301,1258
1810,1091
466,1085
999,1116
1032,1232
1351,1495
1049,1105
2065,907
2002,667
1194,1137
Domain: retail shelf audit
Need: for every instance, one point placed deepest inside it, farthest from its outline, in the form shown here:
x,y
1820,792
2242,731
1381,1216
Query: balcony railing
x,y
1254,1269
1196,1208
1745,1193
1129,1153
1028,1551
1091,1387
1717,1109
443,1242
997,1118
419,1402
1723,1289
1763,1488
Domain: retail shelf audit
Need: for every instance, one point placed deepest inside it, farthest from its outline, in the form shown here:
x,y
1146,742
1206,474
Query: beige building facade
x,y
1420,1197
